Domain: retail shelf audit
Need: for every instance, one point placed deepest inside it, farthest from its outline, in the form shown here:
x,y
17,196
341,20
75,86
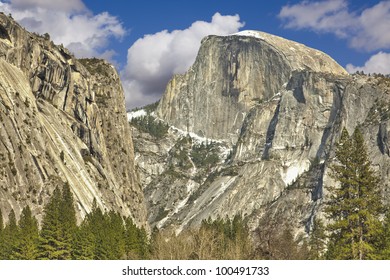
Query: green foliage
x,y
149,124
10,235
151,107
131,239
1,235
27,245
143,244
317,240
58,226
83,246
385,239
136,241
355,206
94,66
205,155
1,223
51,241
112,238
99,236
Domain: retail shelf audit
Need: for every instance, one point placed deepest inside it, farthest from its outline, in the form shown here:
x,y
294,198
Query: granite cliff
x,y
272,110
62,120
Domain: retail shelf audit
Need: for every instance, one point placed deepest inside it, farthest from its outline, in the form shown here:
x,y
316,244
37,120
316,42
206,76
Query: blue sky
x,y
149,41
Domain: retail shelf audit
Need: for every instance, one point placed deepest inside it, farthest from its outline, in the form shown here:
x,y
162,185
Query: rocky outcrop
x,y
280,107
62,120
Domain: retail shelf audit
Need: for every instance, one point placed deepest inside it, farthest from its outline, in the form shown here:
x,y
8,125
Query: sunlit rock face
x,y
275,109
231,75
62,120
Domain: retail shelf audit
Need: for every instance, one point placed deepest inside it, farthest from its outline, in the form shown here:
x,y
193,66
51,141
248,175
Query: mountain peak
x,y
299,55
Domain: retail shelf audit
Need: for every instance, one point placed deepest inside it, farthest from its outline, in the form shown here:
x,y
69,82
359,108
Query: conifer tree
x,y
144,246
1,222
385,238
58,226
1,227
116,236
355,205
50,241
83,243
68,221
317,240
131,239
1,236
27,246
98,224
10,238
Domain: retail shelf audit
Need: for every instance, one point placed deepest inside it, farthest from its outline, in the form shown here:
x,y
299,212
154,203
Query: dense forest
x,y
358,227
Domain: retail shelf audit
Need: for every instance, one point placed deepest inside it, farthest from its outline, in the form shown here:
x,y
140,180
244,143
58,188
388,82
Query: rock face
x,y
231,75
279,107
62,121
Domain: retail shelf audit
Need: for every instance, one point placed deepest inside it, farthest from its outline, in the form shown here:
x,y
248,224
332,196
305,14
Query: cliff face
x,y
231,75
279,107
62,120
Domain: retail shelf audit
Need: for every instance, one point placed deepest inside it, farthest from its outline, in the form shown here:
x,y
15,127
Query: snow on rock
x,y
136,114
294,171
249,33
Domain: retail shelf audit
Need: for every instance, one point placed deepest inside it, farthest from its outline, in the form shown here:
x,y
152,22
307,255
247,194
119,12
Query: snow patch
x,y
195,137
136,114
249,33
293,171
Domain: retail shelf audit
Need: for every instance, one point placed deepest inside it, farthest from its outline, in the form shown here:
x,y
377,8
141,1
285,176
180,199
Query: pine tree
x,y
1,222
58,226
97,225
50,244
131,239
144,246
83,243
1,236
10,238
385,243
27,246
317,241
116,236
68,221
355,205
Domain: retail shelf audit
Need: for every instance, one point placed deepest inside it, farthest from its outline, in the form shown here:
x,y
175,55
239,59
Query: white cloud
x,y
65,6
367,30
326,16
378,63
374,28
153,59
69,23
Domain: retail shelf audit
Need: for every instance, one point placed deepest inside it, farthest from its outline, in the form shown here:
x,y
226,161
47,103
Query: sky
x,y
149,41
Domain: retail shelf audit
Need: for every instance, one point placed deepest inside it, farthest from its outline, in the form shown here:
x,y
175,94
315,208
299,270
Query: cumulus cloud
x,y
153,59
68,5
325,16
378,63
69,23
366,30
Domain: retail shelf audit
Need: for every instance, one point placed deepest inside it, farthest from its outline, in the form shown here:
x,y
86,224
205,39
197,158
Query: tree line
x,y
99,236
